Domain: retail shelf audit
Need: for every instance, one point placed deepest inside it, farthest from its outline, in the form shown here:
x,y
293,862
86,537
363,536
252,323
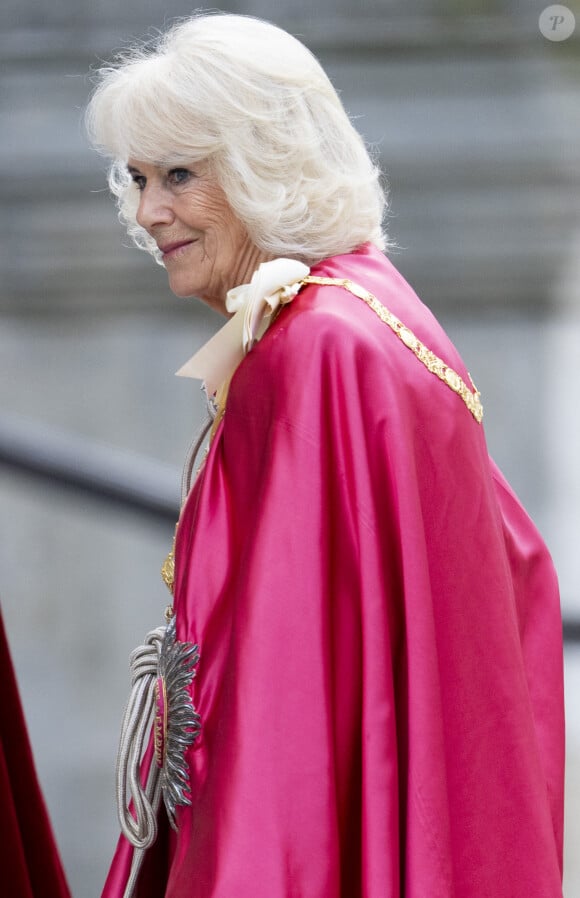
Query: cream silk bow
x,y
273,283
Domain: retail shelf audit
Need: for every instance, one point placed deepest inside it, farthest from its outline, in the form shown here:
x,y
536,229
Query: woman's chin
x,y
184,287
188,291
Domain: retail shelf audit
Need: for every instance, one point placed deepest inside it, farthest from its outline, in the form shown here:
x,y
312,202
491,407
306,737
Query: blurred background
x,y
476,117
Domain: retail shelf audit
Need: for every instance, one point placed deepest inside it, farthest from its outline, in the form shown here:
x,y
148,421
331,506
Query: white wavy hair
x,y
255,103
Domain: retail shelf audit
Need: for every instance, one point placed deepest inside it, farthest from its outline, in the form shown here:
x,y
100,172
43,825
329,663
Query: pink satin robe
x,y
380,683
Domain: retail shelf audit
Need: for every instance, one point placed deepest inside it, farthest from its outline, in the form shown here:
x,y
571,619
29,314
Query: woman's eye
x,y
139,181
179,175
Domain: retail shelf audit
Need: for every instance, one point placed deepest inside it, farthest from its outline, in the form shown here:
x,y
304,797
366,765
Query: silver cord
x,y
138,815
139,824
192,454
139,853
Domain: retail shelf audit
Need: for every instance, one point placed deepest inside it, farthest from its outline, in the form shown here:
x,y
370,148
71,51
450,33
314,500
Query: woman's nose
x,y
155,207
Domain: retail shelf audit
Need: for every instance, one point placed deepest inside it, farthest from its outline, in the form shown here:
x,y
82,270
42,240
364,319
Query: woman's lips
x,y
171,250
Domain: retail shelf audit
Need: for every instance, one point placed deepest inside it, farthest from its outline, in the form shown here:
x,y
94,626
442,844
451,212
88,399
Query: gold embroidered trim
x,y
432,362
168,570
168,566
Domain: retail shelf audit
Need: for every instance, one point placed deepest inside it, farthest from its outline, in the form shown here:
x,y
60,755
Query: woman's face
x,y
206,249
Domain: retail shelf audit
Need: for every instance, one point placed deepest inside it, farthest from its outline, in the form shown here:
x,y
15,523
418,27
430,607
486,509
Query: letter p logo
x,y
557,23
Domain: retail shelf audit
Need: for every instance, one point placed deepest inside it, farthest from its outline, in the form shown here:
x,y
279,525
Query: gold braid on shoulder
x,y
432,362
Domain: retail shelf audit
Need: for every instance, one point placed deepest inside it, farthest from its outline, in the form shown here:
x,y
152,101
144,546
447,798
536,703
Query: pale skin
x,y
206,249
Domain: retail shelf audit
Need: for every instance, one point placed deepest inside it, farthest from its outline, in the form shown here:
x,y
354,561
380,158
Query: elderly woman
x,y
359,688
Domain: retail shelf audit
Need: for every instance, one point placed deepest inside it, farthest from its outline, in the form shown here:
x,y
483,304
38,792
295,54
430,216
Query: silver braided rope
x,y
138,803
139,824
192,454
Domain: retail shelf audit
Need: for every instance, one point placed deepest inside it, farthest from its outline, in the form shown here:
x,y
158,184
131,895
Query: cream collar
x,y
273,284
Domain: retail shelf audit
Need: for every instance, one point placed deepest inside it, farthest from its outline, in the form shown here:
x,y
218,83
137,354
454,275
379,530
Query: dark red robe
x,y
30,866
